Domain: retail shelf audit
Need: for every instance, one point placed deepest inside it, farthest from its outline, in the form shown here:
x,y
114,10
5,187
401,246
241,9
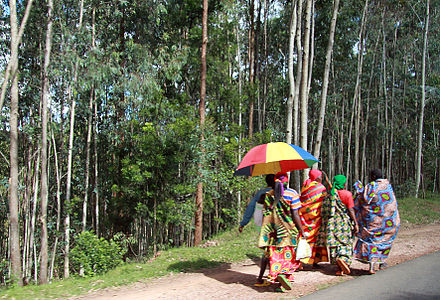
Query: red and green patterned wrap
x,y
311,198
336,230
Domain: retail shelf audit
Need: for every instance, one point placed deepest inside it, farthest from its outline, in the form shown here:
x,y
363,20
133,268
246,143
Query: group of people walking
x,y
336,225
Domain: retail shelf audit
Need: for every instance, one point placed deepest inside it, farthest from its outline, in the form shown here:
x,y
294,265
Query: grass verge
x,y
418,211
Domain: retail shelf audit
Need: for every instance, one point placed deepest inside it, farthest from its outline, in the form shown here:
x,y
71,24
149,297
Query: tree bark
x,y
13,61
88,150
251,57
328,59
14,236
72,100
304,77
44,120
58,197
292,28
199,196
422,104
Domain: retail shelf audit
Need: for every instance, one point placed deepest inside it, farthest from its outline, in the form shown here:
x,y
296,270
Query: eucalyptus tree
x,y
325,81
44,159
199,195
422,103
14,230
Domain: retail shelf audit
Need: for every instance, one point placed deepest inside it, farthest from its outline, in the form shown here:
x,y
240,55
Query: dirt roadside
x,y
236,281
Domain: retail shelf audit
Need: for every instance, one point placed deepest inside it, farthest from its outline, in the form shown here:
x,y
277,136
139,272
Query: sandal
x,y
261,284
280,289
343,266
383,266
340,273
284,282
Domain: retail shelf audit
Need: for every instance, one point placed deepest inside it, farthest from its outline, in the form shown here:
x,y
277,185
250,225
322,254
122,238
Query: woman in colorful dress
x,y
278,236
313,193
378,219
339,225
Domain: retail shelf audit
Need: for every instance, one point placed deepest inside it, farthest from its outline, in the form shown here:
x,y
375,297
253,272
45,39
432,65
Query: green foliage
x,y
4,280
92,255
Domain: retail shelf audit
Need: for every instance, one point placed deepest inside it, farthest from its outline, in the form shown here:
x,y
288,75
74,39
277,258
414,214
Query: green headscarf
x,y
338,183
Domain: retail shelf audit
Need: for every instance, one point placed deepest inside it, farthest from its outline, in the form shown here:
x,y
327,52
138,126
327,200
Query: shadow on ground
x,y
221,271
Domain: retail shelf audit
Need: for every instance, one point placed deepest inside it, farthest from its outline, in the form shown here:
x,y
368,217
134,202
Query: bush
x,y
92,255
3,272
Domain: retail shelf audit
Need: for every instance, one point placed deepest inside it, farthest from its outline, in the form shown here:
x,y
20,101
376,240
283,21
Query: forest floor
x,y
235,281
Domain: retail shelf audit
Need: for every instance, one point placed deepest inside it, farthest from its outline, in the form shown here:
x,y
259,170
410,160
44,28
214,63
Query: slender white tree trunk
x,y
70,158
304,77
14,229
422,105
292,29
10,68
328,59
88,150
44,164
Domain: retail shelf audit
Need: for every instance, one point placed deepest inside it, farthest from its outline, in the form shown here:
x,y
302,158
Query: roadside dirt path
x,y
236,281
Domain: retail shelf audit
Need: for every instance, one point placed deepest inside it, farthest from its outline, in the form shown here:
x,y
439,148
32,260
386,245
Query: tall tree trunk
x,y
304,77
292,28
328,59
33,220
251,57
390,153
257,73
14,229
199,196
312,50
240,116
13,61
367,115
422,104
298,76
72,100
44,184
357,92
95,137
88,150
296,175
263,112
96,189
386,146
58,197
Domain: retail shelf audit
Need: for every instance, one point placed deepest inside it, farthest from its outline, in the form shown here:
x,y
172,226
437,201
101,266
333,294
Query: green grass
x,y
419,211
231,247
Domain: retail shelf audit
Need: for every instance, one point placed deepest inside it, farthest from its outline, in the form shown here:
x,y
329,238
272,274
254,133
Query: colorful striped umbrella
x,y
272,158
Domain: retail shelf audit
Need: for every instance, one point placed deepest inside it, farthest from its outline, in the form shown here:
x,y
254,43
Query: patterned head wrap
x,y
313,175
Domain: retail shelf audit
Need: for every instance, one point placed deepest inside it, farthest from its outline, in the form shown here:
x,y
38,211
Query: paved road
x,y
417,279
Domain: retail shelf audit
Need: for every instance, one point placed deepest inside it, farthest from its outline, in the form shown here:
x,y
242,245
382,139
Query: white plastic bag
x,y
258,214
303,249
